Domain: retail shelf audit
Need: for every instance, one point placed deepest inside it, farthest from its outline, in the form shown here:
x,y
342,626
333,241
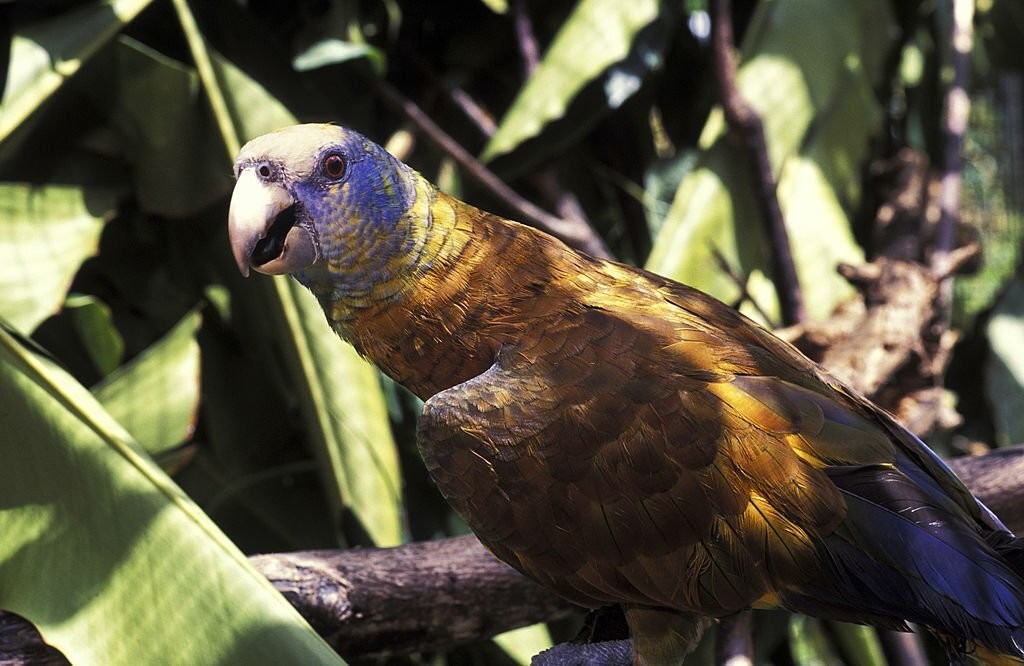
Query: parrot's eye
x,y
334,166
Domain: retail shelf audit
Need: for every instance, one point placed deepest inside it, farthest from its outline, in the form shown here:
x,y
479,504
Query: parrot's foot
x,y
603,640
607,653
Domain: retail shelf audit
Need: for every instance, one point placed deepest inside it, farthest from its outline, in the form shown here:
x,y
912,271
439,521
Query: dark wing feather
x,y
915,559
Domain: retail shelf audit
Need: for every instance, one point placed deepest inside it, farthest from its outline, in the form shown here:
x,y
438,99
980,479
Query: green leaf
x,y
334,51
45,235
106,555
346,411
598,34
168,133
497,6
340,394
92,319
156,396
813,90
1004,371
252,110
524,643
859,643
44,55
809,644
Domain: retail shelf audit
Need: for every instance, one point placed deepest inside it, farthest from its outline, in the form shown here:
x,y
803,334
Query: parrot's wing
x,y
708,494
614,479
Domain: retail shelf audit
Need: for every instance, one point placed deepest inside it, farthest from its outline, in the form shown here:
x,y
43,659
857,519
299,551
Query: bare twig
x,y
566,203
954,127
478,115
734,644
525,38
546,180
745,123
577,235
741,283
957,110
902,649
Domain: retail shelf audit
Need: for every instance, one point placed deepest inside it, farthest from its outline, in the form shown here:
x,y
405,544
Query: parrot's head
x,y
318,200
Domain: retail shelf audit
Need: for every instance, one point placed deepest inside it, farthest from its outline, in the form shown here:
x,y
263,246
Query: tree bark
x,y
421,596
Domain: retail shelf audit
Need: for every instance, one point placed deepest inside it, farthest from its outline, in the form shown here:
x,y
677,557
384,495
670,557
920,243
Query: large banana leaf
x,y
106,555
1004,369
156,396
813,89
598,35
339,393
46,233
46,54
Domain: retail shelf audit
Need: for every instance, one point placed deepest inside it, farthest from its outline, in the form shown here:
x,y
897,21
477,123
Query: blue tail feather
x,y
904,554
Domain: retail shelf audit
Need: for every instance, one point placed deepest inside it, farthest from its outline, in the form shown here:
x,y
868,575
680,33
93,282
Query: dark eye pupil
x,y
334,166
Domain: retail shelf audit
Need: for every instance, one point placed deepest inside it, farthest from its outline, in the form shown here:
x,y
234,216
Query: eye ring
x,y
334,166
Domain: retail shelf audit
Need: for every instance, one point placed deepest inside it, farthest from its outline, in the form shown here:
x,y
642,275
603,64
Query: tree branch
x,y
421,596
578,235
746,125
735,639
526,40
545,179
902,649
954,126
20,643
734,644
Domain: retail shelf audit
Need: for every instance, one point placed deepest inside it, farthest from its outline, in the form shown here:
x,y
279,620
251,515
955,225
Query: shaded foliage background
x,y
117,128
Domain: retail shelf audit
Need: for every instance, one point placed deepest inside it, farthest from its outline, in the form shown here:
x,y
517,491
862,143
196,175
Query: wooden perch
x,y
423,596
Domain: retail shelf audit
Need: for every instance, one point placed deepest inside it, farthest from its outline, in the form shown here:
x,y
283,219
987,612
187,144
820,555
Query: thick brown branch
x,y
422,596
995,478
745,124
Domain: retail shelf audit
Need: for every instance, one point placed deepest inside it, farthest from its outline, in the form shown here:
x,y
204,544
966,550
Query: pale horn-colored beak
x,y
255,206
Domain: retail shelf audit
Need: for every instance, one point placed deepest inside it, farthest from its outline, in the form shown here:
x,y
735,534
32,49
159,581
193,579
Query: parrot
x,y
618,437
